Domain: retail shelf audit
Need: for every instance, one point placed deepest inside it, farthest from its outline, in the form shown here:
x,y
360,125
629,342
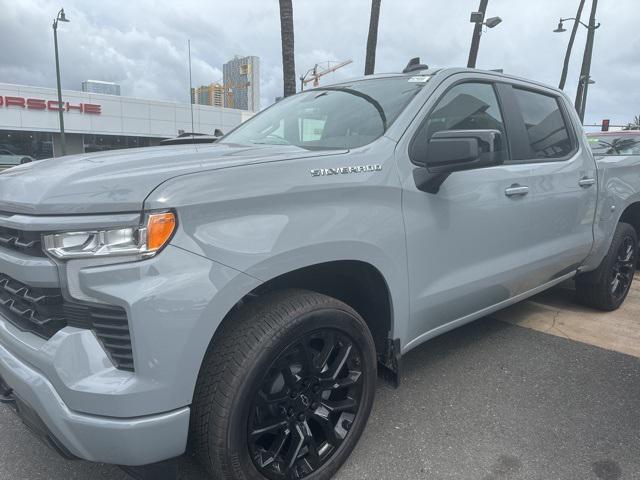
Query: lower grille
x,y
44,312
36,310
111,326
25,242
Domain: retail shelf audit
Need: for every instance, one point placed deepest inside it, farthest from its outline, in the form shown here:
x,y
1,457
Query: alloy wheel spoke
x,y
268,428
297,442
306,357
346,405
327,426
270,456
290,380
615,283
322,358
340,361
312,457
350,380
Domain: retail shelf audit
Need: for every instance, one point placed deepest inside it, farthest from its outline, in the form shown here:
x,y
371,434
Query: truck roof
x,y
449,71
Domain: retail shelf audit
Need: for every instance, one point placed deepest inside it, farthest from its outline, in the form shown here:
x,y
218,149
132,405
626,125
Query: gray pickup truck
x,y
240,297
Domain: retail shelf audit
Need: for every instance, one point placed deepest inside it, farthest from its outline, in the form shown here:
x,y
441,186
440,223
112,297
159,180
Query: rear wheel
x,y
607,287
285,390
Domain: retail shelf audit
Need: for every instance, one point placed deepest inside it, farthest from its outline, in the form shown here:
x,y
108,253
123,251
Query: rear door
x,y
562,187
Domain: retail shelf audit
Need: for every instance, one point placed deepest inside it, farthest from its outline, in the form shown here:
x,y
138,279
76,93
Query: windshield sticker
x,y
420,79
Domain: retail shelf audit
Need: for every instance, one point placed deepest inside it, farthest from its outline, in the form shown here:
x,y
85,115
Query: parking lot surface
x,y
489,401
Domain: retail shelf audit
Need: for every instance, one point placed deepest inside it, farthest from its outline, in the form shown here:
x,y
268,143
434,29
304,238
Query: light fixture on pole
x,y
560,28
583,86
61,17
479,20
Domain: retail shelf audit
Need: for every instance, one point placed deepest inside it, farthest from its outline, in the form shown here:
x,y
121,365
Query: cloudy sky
x,y
142,44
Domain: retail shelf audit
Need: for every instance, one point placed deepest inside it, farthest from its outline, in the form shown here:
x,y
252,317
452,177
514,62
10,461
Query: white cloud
x,y
142,44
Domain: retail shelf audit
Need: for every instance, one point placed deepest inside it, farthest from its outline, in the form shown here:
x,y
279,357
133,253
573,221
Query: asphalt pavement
x,y
489,401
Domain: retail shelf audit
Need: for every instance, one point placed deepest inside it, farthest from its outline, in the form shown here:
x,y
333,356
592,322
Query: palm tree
x,y
288,58
572,38
635,125
372,40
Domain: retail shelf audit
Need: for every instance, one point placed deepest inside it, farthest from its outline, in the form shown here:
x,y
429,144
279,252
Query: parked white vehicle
x,y
9,159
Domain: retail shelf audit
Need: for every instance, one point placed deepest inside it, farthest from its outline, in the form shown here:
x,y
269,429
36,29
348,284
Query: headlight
x,y
143,241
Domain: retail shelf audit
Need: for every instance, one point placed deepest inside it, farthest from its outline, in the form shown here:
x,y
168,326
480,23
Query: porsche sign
x,y
51,105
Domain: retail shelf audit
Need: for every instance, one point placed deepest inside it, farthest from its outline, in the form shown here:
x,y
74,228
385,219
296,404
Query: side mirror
x,y
453,151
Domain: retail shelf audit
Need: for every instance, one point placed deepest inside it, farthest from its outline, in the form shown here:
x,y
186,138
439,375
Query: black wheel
x,y
285,390
606,287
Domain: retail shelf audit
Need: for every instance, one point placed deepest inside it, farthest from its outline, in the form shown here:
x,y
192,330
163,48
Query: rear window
x,y
612,144
545,124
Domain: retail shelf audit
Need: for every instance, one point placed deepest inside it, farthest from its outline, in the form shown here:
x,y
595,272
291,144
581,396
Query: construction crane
x,y
320,70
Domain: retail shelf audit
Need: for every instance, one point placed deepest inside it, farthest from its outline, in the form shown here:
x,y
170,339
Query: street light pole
x,y
567,57
478,19
62,18
585,71
477,32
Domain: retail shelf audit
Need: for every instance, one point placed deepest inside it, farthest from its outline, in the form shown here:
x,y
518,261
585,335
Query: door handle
x,y
586,182
516,190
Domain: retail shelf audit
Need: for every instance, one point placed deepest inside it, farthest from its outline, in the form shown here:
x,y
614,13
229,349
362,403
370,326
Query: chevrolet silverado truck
x,y
238,299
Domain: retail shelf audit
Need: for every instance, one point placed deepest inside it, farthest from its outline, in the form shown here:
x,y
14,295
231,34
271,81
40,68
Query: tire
x,y
265,394
607,287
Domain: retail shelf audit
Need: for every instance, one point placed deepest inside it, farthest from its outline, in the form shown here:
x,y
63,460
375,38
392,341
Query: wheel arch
x,y
358,284
631,215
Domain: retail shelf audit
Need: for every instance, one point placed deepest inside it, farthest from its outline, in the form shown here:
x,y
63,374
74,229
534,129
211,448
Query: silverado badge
x,y
345,170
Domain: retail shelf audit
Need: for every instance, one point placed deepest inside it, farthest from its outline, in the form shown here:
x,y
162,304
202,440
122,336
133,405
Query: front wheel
x,y
285,390
607,287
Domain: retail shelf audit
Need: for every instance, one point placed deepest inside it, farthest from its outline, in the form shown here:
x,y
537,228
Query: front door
x,y
467,244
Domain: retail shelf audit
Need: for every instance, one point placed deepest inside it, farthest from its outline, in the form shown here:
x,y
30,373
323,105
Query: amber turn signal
x,y
160,227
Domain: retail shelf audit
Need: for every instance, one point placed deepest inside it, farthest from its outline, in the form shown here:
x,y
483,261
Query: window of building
x,y
548,134
100,143
37,145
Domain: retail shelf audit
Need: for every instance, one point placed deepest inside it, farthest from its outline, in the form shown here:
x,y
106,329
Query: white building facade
x,y
29,123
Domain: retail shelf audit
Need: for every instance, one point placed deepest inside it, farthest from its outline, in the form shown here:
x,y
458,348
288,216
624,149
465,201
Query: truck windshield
x,y
343,116
612,144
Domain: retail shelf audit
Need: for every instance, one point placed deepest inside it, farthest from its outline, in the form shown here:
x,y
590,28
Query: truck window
x,y
546,128
466,106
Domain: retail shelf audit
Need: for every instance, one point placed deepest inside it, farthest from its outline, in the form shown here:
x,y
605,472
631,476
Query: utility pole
x,y
567,56
585,71
62,18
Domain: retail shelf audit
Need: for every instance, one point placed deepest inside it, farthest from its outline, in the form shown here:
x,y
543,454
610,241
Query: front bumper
x,y
133,441
174,303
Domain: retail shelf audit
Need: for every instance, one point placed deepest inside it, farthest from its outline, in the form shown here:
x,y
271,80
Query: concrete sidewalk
x,y
555,312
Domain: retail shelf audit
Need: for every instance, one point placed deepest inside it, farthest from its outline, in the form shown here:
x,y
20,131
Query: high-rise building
x,y
98,86
241,79
212,94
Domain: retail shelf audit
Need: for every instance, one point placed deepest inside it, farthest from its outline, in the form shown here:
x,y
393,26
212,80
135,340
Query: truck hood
x,y
119,181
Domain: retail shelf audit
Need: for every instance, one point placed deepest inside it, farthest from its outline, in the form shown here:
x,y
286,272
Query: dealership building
x,y
29,123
